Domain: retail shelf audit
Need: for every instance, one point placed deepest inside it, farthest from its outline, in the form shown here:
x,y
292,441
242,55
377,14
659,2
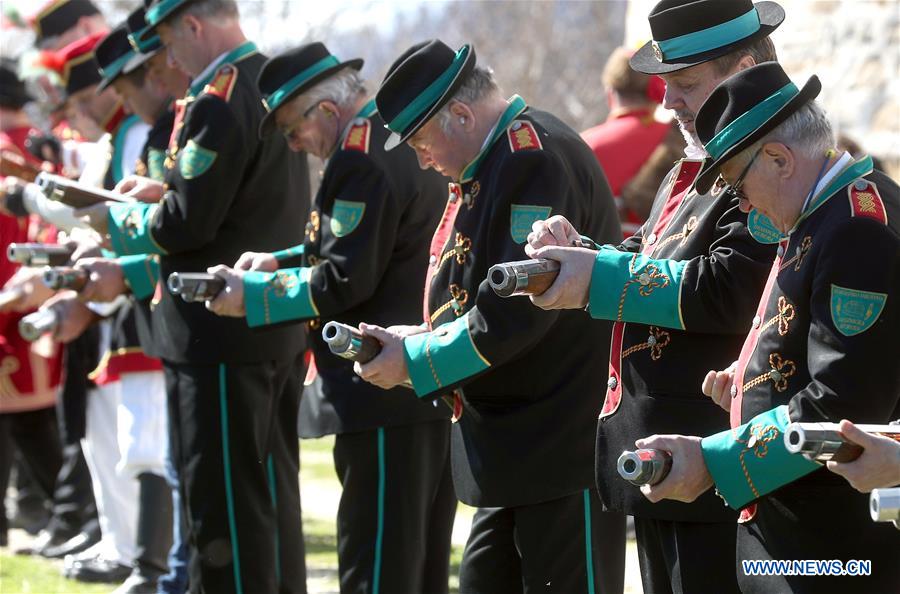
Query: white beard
x,y
694,148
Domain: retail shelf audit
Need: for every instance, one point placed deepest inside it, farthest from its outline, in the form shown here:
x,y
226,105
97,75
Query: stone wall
x,y
854,48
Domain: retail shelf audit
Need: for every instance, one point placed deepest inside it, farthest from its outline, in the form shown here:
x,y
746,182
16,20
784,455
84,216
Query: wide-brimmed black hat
x,y
690,32
78,69
58,16
137,24
742,110
293,72
158,11
115,56
419,83
12,90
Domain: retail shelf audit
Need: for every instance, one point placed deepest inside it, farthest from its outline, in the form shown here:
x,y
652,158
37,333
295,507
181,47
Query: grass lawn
x,y
319,497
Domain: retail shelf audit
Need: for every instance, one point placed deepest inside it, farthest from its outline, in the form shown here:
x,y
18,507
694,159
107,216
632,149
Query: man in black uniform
x,y
681,291
521,448
233,393
821,347
365,249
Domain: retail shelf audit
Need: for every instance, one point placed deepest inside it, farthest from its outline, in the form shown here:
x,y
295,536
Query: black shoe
x,y
72,546
44,540
31,520
100,571
4,539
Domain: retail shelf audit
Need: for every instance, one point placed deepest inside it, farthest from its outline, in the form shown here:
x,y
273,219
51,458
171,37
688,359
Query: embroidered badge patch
x,y
761,228
865,201
522,216
195,160
345,217
156,164
523,136
854,312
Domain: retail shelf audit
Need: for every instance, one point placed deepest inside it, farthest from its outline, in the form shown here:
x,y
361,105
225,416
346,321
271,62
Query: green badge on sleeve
x,y
346,216
522,217
762,229
854,312
195,160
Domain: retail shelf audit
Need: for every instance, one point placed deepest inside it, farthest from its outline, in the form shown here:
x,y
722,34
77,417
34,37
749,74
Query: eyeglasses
x,y
736,189
300,118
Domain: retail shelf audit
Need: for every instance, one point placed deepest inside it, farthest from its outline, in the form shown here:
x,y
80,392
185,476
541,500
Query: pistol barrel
x,y
348,342
525,277
644,467
195,286
884,505
38,254
32,326
62,277
821,442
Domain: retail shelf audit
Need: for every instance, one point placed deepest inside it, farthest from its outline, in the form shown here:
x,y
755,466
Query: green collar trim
x,y
421,103
860,168
515,108
367,110
277,97
247,48
119,146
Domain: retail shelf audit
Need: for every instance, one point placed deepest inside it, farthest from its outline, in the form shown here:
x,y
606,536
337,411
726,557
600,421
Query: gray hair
x,y
342,88
479,85
807,131
209,9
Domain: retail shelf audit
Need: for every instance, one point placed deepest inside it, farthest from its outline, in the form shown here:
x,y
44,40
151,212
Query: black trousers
x,y
686,557
36,436
566,545
234,443
397,508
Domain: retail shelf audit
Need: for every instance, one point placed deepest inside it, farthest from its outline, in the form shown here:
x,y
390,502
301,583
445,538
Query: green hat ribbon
x,y
750,120
430,95
709,39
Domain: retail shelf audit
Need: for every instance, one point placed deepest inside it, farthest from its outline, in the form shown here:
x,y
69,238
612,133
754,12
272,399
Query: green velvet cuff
x,y
291,252
273,297
750,461
442,357
129,229
629,287
141,274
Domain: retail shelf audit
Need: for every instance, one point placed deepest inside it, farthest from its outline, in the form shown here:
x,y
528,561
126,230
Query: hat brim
x,y
710,170
771,15
395,140
267,125
130,66
150,30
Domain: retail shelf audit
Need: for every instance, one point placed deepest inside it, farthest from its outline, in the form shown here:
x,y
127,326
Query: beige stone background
x,y
854,48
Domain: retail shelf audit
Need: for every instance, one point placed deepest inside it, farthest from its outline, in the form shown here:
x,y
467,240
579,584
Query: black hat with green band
x,y
419,83
114,56
137,24
293,72
690,32
157,12
743,109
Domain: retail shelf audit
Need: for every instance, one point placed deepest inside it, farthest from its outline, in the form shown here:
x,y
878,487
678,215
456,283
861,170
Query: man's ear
x,y
745,62
782,157
462,115
192,24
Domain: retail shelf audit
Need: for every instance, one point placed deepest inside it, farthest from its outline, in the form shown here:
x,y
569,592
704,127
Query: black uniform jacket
x,y
656,372
527,379
367,243
228,192
825,345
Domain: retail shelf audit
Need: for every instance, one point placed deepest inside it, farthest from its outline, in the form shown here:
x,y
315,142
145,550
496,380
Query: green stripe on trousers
x,y
229,493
